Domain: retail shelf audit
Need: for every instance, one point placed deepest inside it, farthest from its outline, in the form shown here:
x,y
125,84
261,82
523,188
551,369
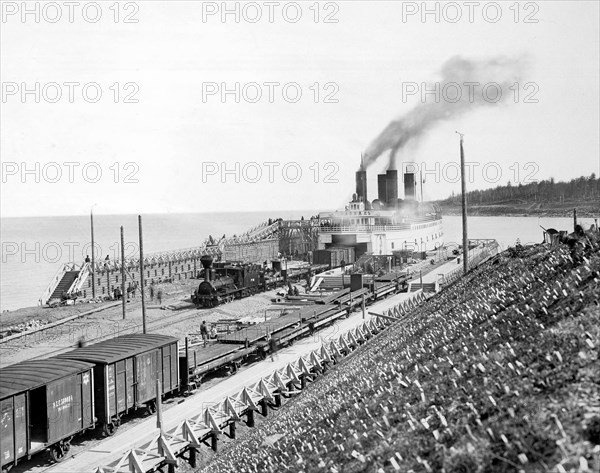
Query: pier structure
x,y
263,242
298,237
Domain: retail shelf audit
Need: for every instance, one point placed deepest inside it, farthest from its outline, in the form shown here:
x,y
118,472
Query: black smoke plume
x,y
417,122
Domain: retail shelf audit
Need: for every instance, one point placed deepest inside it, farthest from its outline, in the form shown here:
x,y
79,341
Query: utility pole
x,y
142,274
93,253
159,422
123,296
463,185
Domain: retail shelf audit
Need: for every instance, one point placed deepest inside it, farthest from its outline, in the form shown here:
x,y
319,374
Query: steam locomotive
x,y
224,282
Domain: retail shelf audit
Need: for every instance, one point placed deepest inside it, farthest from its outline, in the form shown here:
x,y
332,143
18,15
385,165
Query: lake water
x,y
34,248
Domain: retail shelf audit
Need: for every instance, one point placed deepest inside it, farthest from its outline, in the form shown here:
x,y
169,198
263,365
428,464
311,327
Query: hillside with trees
x,y
548,197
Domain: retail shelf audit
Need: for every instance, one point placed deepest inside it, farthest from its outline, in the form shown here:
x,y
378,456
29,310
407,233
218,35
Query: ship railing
x,y
363,228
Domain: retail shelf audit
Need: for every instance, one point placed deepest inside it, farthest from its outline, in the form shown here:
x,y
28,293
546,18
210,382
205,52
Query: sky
x,y
181,106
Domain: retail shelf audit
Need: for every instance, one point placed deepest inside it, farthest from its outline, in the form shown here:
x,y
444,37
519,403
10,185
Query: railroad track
x,y
180,316
58,323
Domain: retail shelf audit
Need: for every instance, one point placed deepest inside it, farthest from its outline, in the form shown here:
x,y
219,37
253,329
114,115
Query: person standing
x,y
272,347
204,332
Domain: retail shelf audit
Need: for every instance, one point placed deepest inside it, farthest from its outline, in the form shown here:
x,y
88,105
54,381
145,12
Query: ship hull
x,y
384,240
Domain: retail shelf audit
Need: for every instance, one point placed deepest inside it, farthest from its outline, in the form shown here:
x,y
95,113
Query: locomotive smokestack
x,y
391,177
206,261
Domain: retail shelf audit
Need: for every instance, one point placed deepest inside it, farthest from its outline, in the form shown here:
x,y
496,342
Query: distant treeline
x,y
579,189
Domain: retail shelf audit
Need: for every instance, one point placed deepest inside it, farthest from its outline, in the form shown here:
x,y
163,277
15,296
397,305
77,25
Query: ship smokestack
x,y
382,188
361,183
391,177
409,186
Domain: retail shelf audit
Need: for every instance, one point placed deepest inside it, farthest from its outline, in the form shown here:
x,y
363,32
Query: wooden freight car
x,y
43,404
125,374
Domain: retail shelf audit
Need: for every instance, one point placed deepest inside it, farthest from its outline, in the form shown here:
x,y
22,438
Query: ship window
x,y
392,245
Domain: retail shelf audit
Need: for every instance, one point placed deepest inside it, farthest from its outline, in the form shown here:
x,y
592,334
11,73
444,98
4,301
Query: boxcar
x,y
43,404
125,373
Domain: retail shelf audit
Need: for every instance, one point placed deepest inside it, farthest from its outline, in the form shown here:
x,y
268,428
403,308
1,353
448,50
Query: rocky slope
x,y
497,373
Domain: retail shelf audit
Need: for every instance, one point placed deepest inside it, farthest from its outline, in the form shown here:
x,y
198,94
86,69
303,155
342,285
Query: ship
x,y
388,224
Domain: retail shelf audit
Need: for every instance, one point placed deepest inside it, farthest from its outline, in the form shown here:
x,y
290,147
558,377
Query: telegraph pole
x,y
93,253
123,293
463,185
142,274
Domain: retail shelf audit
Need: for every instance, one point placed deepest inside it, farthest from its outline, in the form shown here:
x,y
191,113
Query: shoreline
x,y
172,293
450,211
490,212
30,320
